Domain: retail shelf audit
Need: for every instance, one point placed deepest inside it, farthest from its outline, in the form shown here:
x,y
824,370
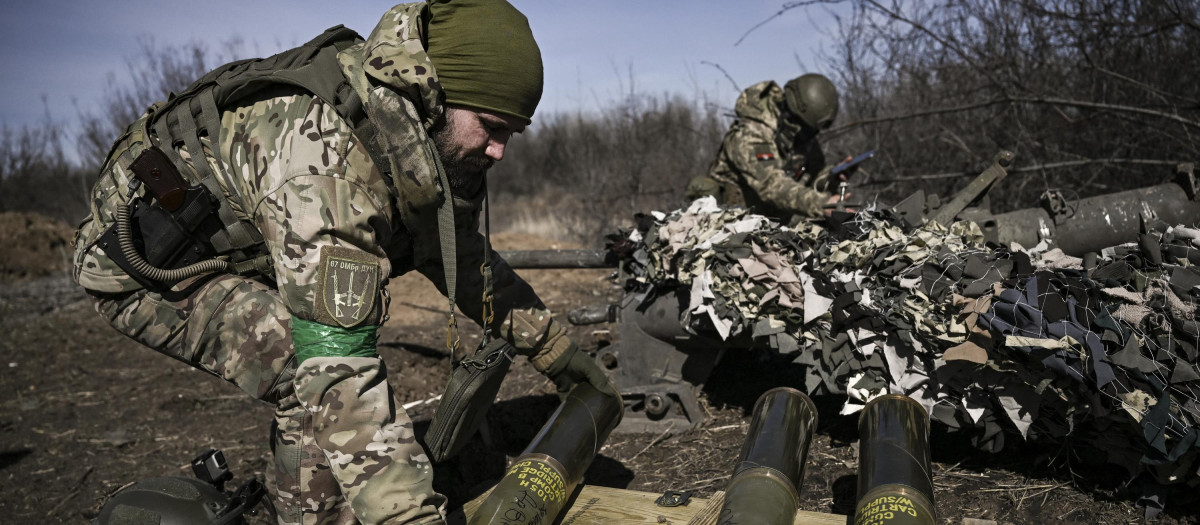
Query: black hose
x,y
145,270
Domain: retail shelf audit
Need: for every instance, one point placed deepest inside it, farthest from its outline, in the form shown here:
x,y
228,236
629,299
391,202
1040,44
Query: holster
x,y
169,225
166,239
471,390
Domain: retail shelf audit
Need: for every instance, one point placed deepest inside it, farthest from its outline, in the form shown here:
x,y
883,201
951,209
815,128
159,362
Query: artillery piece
x,y
659,366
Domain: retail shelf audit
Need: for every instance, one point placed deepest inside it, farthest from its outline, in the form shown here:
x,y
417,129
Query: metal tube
x,y
536,487
765,487
558,258
586,315
895,485
1101,221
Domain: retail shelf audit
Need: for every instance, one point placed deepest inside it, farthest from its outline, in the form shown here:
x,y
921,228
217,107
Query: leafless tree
x,y
150,75
635,156
1092,95
35,175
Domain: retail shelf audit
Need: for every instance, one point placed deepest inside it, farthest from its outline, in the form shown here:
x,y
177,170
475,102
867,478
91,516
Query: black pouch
x,y
470,391
165,239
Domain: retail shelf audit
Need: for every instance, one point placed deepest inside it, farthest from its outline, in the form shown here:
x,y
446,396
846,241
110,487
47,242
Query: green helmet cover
x,y
813,99
485,56
164,501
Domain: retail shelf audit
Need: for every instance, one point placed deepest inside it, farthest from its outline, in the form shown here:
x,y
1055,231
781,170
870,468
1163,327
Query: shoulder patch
x,y
349,281
763,152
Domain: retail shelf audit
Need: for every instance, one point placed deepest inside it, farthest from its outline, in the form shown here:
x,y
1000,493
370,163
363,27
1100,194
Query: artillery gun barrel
x,y
1101,221
765,487
533,259
536,488
894,480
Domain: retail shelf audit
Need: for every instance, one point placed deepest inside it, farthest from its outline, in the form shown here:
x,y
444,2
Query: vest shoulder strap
x,y
196,111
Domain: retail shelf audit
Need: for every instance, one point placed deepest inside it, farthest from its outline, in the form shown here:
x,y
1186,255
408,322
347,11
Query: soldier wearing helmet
x,y
770,159
309,180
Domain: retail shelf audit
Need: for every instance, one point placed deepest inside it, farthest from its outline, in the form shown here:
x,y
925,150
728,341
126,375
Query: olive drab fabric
x,y
998,343
813,98
337,221
702,186
762,166
486,56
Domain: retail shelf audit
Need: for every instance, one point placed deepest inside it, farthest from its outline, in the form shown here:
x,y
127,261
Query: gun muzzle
x,y
765,487
536,487
895,485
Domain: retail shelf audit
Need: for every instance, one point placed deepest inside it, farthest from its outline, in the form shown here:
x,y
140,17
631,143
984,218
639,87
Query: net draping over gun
x,y
659,367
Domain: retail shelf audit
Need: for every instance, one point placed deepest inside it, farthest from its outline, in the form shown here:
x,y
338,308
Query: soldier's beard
x,y
464,170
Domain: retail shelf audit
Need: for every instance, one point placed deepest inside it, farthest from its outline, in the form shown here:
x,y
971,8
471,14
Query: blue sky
x,y
63,50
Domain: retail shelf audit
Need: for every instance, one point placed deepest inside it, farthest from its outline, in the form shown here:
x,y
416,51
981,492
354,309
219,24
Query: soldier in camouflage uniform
x,y
456,78
770,160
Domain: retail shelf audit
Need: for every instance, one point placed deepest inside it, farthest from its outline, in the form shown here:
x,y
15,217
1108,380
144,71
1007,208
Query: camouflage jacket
x,y
773,177
294,168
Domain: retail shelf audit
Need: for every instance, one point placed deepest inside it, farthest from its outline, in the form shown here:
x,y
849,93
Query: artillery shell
x,y
895,485
765,487
536,487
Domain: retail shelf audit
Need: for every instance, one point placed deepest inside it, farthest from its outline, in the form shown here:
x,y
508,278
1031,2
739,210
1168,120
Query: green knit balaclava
x,y
485,56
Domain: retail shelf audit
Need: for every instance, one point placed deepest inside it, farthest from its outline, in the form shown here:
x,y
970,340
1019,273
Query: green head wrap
x,y
485,56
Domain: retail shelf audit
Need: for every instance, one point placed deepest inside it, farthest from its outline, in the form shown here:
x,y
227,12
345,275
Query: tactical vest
x,y
183,119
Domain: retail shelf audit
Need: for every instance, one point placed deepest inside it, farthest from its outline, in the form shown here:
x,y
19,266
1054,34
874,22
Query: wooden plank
x,y
708,516
710,511
594,505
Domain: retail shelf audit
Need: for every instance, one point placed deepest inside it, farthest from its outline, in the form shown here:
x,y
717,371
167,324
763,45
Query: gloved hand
x,y
703,186
576,366
825,182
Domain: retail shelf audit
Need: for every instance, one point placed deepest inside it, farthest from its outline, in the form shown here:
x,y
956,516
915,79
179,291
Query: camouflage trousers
x,y
342,450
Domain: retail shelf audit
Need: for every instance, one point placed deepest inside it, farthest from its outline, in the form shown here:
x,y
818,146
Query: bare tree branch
x,y
1145,86
1027,169
895,15
1011,100
723,72
785,8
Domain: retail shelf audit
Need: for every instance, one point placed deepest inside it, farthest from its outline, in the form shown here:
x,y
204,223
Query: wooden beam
x,y
594,505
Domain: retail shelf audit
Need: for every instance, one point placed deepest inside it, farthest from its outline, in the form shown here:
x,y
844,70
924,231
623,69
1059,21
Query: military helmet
x,y
167,501
813,99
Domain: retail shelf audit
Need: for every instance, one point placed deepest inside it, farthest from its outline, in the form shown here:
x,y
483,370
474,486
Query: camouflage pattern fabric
x,y
93,269
382,470
405,100
997,342
238,330
762,172
344,452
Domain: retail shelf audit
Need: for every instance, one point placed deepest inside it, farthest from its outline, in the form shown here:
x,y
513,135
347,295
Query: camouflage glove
x,y
576,366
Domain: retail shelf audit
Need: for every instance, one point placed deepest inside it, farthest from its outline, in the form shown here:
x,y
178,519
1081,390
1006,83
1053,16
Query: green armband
x,y
319,340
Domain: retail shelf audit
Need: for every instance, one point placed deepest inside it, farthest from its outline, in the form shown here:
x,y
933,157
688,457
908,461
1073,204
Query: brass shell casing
x,y
765,487
894,504
895,484
538,484
534,490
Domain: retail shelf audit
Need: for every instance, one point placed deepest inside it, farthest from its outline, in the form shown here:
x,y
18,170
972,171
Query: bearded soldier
x,y
770,159
249,225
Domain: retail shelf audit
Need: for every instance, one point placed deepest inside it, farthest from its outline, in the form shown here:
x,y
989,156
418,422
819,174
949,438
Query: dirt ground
x,y
85,411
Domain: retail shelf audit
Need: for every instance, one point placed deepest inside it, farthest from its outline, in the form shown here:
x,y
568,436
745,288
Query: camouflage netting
x,y
995,341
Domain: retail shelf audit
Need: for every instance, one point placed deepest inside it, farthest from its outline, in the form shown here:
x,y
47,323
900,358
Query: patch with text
x,y
349,281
